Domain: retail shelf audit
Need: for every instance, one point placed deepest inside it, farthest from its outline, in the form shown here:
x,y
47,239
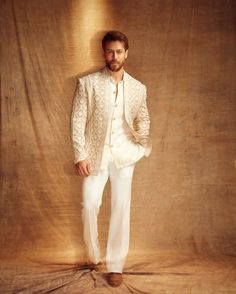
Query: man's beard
x,y
115,65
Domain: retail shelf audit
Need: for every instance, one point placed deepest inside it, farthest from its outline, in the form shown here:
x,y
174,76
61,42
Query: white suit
x,y
110,130
91,111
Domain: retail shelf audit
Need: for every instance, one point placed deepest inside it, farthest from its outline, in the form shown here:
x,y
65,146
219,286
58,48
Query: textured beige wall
x,y
184,193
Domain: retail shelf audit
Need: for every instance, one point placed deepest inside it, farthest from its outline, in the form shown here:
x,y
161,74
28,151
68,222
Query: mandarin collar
x,y
108,75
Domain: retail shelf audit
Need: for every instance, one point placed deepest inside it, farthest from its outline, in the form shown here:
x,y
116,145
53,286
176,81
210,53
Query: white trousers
x,y
119,226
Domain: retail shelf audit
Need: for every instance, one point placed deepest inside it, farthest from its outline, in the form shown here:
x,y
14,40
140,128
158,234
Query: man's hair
x,y
115,36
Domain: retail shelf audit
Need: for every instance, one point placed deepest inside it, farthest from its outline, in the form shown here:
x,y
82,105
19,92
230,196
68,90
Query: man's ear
x,y
126,53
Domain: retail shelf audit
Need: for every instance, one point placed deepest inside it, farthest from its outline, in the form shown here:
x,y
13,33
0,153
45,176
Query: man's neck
x,y
117,75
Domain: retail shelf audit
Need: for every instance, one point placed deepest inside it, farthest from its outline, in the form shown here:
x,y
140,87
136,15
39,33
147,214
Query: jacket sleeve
x,y
78,121
142,119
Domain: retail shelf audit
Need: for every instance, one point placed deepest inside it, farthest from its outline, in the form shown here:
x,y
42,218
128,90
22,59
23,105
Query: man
x,y
110,133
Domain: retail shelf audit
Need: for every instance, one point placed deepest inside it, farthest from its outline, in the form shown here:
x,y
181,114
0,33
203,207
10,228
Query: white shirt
x,y
119,146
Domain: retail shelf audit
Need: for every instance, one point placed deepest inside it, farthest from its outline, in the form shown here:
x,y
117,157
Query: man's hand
x,y
82,168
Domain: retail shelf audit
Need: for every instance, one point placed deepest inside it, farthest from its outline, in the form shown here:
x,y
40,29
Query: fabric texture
x,y
91,111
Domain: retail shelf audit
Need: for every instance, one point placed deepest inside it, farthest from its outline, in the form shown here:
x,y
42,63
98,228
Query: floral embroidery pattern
x,y
91,112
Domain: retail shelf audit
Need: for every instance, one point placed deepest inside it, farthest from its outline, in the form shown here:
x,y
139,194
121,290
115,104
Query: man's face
x,y
115,55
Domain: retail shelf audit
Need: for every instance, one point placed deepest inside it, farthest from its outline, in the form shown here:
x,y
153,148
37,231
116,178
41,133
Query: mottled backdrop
x,y
184,193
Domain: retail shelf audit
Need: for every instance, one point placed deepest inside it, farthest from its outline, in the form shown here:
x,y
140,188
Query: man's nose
x,y
114,55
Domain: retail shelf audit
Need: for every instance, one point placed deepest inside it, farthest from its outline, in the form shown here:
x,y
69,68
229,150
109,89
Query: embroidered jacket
x,y
90,115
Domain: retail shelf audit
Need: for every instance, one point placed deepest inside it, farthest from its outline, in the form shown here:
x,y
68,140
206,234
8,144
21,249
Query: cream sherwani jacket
x,y
90,114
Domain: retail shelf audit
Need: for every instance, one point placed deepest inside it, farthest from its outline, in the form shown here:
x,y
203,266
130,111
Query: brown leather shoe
x,y
114,279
